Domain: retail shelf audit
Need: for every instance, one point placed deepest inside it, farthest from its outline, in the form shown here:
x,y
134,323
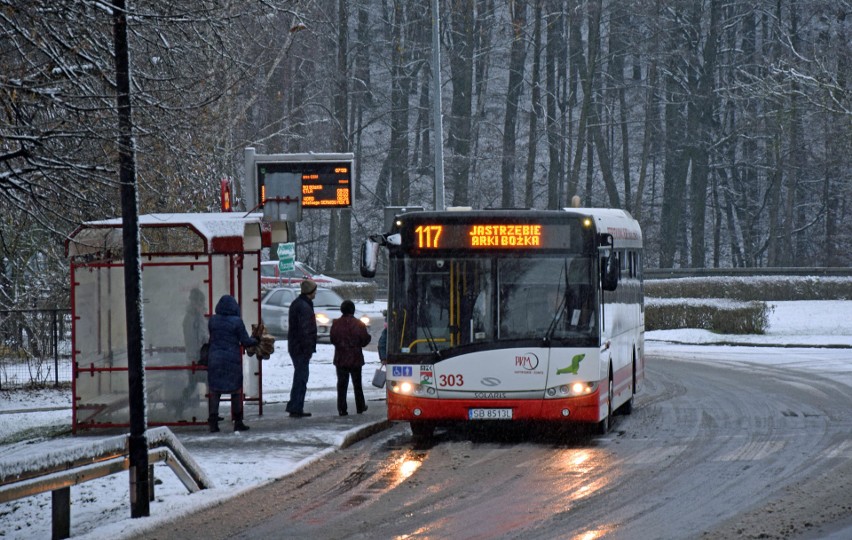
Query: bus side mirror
x,y
609,272
369,258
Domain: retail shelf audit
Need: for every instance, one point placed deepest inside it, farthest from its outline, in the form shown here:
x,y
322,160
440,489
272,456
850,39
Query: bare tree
x,y
518,9
460,48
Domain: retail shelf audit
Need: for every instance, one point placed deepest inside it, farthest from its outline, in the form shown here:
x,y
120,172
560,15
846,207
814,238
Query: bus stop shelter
x,y
188,262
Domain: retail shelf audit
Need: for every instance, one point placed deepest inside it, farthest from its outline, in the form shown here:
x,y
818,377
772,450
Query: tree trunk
x,y
481,65
554,144
595,121
518,10
362,93
400,86
773,252
535,110
617,52
461,65
674,173
578,67
339,245
651,113
703,111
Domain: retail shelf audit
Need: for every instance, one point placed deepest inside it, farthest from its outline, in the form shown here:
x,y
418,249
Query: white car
x,y
275,310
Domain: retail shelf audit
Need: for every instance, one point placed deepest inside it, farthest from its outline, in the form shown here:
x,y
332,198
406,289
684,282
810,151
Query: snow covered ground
x,y
100,509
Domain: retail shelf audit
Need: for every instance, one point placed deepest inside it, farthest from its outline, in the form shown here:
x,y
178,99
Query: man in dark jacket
x,y
301,344
225,367
349,336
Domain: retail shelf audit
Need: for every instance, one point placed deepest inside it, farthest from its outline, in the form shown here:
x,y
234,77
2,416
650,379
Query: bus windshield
x,y
445,303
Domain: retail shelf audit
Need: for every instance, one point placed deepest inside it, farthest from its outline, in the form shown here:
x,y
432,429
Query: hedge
x,y
759,288
721,316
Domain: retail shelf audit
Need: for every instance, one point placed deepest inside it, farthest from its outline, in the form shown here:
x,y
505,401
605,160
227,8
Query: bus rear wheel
x,y
627,408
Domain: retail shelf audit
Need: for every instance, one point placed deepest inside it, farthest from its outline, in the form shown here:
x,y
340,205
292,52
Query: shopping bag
x,y
203,354
379,377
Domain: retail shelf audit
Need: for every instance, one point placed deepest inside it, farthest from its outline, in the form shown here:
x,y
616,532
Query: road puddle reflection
x,y
582,473
404,466
408,467
593,534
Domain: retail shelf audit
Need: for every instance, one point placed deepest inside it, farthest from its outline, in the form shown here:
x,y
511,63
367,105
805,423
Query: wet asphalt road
x,y
709,452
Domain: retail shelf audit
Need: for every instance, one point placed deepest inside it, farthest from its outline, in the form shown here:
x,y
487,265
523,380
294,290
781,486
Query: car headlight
x,y
365,320
322,318
574,389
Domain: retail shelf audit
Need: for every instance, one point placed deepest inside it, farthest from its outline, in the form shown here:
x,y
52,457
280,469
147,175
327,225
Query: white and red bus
x,y
516,315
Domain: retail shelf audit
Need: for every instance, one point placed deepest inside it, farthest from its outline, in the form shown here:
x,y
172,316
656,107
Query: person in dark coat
x,y
225,369
349,335
301,345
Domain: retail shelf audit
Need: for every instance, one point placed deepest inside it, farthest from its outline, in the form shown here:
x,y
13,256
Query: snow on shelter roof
x,y
220,232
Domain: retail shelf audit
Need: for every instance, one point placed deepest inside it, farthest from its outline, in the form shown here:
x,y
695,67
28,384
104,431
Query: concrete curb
x,y
363,432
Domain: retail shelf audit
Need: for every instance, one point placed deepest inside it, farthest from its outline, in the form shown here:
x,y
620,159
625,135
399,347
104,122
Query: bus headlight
x,y
406,388
574,389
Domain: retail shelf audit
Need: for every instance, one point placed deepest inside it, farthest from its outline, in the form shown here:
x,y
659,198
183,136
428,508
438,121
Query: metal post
x,y
151,482
138,442
61,513
436,107
55,328
249,194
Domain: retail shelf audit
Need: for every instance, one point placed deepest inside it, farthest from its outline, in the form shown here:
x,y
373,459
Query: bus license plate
x,y
489,414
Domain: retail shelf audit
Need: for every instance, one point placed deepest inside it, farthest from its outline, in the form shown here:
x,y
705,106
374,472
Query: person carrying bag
x,y
225,368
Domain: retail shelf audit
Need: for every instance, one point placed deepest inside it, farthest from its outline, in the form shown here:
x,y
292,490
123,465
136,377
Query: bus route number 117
x,y
428,235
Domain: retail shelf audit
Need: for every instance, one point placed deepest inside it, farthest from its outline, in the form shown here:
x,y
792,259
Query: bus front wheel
x,y
422,431
627,408
604,425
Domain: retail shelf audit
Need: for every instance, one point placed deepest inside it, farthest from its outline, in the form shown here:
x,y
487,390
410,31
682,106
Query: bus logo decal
x,y
490,381
528,361
574,367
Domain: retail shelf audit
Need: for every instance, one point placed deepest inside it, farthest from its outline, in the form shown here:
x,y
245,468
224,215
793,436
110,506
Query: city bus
x,y
512,315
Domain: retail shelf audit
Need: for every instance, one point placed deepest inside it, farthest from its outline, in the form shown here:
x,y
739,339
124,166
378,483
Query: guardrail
x,y
58,470
665,273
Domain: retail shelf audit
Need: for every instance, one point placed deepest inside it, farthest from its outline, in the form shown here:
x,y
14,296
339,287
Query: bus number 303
x,y
451,380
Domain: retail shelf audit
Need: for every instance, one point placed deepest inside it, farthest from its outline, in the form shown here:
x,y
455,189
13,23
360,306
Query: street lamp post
x,y
436,107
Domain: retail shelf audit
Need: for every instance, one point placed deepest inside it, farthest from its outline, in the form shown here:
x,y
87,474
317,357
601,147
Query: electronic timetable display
x,y
324,184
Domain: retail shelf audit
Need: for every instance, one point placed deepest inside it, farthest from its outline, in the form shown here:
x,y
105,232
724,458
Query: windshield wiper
x,y
560,310
430,338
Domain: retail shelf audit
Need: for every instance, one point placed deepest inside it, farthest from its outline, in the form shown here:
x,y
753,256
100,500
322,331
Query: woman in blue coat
x,y
225,369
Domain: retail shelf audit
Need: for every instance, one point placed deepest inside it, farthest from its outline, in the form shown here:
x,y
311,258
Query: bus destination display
x,y
490,236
